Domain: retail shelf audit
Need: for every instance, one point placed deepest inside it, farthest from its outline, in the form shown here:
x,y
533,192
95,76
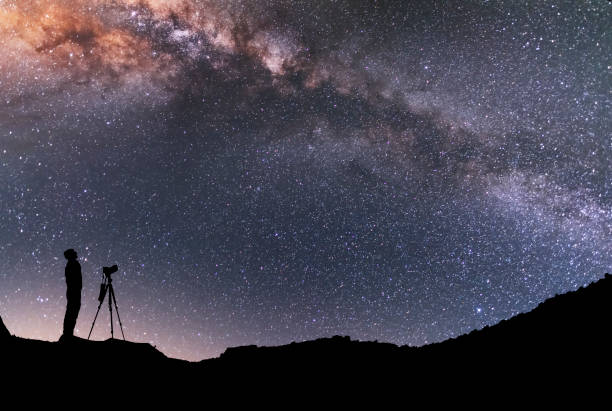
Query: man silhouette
x,y
74,283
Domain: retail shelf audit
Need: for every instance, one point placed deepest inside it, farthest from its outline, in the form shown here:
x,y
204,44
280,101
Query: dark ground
x,y
562,344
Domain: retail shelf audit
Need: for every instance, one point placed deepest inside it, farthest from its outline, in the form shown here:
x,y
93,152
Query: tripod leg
x,y
112,294
110,308
94,321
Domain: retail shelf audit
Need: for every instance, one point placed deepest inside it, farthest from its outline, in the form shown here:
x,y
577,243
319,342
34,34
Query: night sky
x,y
273,171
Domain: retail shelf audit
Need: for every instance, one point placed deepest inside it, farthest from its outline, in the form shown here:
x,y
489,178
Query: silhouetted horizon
x,y
563,344
562,308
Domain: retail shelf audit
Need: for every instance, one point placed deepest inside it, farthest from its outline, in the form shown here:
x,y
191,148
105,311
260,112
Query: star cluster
x,y
271,171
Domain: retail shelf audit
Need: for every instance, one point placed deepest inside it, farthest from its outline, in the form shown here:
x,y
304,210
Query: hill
x,y
569,332
566,336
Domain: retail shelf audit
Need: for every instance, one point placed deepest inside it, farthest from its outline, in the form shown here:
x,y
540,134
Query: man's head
x,y
70,254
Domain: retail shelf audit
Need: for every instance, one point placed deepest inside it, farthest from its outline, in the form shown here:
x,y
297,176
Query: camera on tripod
x,y
107,279
109,270
107,288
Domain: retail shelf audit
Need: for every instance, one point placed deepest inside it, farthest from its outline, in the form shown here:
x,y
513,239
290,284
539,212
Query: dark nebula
x,y
264,172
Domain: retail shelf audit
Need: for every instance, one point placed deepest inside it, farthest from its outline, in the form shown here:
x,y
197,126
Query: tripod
x,y
107,286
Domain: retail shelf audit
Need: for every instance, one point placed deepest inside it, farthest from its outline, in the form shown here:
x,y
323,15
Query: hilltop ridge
x,y
568,332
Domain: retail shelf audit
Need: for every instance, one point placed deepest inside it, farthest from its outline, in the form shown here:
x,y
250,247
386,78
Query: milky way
x,y
268,172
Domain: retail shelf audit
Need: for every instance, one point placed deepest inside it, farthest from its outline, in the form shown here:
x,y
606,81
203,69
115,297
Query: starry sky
x,y
273,171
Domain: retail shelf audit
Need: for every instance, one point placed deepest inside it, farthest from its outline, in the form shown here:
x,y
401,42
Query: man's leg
x,y
72,312
69,323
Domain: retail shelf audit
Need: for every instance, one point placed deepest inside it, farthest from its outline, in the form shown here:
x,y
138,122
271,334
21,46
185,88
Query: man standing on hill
x,y
74,282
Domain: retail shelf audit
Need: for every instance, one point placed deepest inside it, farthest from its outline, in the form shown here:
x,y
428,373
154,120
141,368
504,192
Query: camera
x,y
109,270
106,288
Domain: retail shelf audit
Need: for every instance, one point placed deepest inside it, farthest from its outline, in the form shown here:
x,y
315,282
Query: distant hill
x,y
569,331
566,336
4,333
